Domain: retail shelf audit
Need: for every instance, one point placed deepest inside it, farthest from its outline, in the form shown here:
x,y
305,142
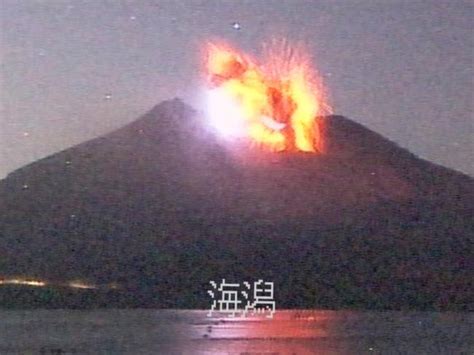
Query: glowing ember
x,y
274,103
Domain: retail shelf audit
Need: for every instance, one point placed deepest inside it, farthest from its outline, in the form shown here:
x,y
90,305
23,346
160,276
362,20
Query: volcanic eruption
x,y
159,206
274,102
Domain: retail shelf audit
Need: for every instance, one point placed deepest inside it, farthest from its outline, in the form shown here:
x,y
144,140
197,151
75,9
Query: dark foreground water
x,y
192,332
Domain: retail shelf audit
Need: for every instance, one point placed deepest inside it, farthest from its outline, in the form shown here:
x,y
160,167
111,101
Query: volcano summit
x,y
162,206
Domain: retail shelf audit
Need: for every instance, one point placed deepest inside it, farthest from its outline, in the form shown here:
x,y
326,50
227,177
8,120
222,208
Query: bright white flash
x,y
225,114
272,124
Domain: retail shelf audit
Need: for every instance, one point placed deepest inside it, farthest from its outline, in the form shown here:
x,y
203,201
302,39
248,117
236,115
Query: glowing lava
x,y
275,103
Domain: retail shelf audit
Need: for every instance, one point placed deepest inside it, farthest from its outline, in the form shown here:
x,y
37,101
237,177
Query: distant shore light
x,y
28,282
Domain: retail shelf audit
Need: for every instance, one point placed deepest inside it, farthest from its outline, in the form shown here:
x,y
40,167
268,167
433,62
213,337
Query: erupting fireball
x,y
275,103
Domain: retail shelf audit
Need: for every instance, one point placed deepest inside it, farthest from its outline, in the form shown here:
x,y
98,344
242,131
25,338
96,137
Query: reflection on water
x,y
192,332
284,325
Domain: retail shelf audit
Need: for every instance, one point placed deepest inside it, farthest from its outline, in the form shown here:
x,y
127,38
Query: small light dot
x,y
133,18
236,26
68,162
25,186
26,134
108,96
73,216
372,173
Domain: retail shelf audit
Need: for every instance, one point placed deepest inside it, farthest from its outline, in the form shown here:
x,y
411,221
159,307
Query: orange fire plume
x,y
275,103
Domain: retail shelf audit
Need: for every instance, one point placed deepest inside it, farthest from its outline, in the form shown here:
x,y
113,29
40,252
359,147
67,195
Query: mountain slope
x,y
162,207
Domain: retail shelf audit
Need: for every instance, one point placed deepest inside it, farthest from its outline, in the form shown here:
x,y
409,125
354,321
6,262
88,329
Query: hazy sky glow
x,y
72,70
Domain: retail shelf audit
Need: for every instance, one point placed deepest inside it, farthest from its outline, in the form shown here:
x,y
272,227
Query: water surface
x,y
192,332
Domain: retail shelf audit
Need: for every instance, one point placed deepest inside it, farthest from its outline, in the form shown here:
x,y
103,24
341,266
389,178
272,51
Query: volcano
x,y
162,206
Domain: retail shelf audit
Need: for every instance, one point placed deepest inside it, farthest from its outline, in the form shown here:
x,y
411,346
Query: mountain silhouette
x,y
162,206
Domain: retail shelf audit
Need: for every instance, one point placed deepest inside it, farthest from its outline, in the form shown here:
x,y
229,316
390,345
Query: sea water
x,y
148,331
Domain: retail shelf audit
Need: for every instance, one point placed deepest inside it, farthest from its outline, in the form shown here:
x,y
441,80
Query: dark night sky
x,y
73,70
